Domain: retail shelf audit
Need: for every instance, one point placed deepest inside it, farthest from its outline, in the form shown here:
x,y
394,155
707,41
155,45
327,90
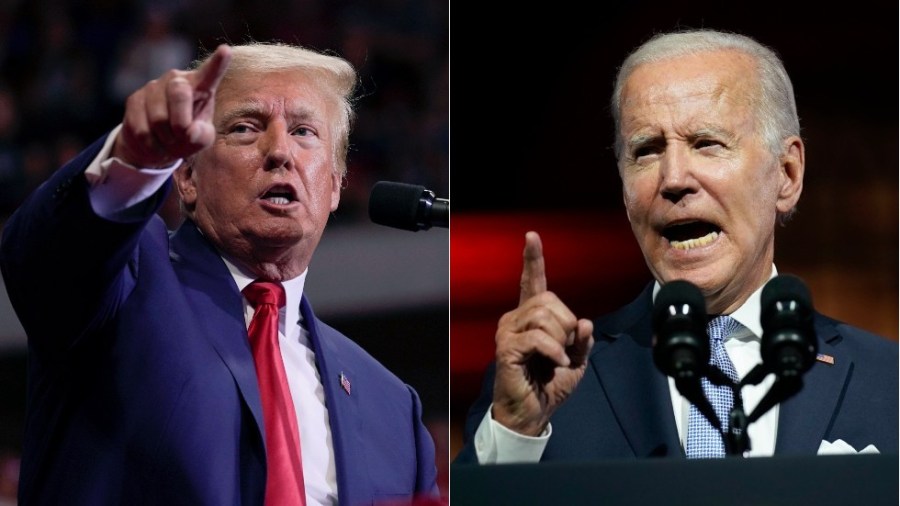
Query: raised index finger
x,y
534,278
207,76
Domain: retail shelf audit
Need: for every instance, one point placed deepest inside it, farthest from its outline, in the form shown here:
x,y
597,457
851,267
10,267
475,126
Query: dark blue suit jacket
x,y
622,407
141,384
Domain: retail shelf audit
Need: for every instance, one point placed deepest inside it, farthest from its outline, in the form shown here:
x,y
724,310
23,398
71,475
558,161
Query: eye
x,y
646,150
303,131
240,128
708,144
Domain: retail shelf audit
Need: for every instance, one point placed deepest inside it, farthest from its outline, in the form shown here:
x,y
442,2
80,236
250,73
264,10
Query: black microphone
x,y
408,207
681,350
680,344
788,345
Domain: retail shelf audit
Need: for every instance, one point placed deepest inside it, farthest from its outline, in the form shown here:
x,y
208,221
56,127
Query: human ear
x,y
184,177
336,180
791,168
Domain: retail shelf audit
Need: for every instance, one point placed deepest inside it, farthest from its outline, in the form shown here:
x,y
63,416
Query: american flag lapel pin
x,y
345,382
828,359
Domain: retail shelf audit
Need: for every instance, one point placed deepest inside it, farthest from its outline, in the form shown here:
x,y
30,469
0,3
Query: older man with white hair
x,y
711,160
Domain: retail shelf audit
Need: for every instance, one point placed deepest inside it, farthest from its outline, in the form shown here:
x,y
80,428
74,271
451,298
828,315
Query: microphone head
x,y
398,205
785,287
680,344
788,345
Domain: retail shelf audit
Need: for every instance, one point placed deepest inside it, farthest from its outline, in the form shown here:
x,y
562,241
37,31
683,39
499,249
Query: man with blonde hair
x,y
189,368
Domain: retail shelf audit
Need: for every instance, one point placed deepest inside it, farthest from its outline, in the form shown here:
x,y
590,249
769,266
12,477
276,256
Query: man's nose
x,y
277,148
676,174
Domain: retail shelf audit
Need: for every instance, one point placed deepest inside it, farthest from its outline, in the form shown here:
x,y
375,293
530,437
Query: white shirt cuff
x,y
118,191
496,444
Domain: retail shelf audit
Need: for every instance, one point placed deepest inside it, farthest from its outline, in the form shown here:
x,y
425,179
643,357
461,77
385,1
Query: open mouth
x,y
280,195
691,235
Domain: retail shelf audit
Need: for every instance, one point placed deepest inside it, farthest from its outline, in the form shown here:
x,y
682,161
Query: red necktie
x,y
284,484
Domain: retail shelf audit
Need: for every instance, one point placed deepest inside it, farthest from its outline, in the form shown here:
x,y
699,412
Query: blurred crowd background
x,y
67,67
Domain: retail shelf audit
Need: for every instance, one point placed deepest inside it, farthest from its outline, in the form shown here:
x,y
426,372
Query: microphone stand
x,y
785,386
737,439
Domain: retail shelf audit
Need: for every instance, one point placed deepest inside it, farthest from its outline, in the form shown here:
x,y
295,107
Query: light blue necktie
x,y
704,440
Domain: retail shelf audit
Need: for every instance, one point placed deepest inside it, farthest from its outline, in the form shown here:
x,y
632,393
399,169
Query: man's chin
x,y
719,292
707,278
274,234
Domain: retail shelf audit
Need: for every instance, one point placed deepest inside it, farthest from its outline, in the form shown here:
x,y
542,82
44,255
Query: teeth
x,y
695,243
278,200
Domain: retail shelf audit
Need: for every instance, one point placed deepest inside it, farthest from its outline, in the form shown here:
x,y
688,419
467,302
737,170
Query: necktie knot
x,y
721,327
264,292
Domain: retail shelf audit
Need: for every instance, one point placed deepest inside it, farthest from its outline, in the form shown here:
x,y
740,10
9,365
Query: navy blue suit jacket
x,y
622,407
141,383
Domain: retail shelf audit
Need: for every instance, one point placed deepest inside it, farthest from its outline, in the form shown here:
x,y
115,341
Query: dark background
x,y
533,151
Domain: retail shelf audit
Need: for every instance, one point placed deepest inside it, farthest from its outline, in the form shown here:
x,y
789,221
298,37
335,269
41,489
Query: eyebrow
x,y
639,140
711,131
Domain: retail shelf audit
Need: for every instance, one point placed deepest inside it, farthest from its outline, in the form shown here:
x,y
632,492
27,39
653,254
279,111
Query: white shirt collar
x,y
293,291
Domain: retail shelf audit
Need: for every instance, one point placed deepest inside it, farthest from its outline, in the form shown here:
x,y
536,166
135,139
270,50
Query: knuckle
x,y
506,339
546,297
540,313
151,86
178,86
156,117
170,74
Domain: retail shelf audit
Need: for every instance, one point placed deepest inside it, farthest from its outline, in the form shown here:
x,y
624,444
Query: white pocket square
x,y
841,447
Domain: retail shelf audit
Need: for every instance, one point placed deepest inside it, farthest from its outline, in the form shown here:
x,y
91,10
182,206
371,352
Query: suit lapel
x,y
638,392
213,295
343,408
803,420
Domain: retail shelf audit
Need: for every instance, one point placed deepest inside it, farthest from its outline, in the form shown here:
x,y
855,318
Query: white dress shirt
x,y
319,477
119,192
742,347
496,444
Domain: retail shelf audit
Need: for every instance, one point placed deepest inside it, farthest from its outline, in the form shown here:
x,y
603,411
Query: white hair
x,y
776,110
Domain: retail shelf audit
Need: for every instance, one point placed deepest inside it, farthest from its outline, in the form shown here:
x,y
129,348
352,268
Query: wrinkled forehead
x,y
690,92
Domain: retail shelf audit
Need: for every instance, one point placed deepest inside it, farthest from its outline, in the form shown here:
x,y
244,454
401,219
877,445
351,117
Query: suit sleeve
x,y
58,255
426,473
474,417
